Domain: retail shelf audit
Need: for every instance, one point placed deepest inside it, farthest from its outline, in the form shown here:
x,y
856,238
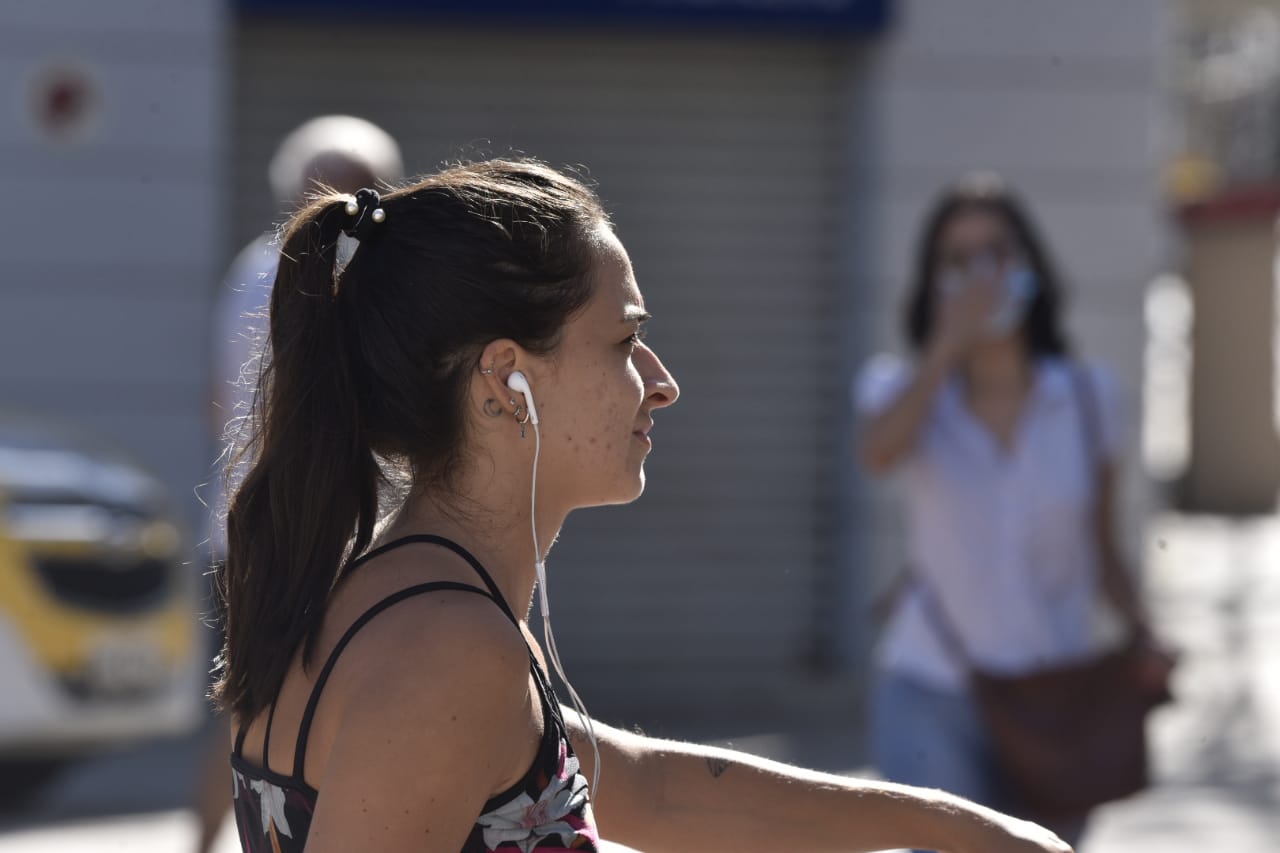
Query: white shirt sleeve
x,y
879,382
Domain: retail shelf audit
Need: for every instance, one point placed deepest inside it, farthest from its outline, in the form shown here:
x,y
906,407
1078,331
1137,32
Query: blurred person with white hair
x,y
341,152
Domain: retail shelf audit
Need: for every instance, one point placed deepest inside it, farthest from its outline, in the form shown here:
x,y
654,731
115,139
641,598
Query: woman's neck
x,y
498,535
997,366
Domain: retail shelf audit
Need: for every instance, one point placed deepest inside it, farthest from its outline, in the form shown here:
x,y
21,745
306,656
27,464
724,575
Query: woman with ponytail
x,y
453,367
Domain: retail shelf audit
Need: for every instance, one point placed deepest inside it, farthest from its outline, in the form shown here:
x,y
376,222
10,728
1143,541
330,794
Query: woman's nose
x,y
660,386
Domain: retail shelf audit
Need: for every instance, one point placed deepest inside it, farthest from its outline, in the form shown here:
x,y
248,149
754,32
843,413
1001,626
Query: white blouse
x,y
1003,540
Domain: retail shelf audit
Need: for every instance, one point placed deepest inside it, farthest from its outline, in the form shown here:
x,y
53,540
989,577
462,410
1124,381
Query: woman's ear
x,y
496,361
500,354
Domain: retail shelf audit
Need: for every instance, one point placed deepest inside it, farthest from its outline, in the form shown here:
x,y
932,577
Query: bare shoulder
x,y
434,705
450,633
423,664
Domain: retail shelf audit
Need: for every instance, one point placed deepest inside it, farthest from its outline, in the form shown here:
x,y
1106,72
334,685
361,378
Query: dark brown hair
x,y
985,192
368,371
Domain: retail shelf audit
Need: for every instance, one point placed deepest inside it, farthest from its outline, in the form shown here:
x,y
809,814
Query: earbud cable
x,y
552,651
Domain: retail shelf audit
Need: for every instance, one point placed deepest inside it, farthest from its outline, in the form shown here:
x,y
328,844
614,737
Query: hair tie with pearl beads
x,y
366,207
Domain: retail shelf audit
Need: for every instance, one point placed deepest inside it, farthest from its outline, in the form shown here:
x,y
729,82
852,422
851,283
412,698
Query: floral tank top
x,y
548,809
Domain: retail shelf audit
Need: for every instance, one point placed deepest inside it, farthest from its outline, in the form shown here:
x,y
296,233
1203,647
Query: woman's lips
x,y
642,434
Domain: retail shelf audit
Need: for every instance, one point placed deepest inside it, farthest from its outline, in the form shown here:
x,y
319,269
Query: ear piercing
x,y
521,415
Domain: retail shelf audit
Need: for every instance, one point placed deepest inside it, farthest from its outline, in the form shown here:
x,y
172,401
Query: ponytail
x,y
309,499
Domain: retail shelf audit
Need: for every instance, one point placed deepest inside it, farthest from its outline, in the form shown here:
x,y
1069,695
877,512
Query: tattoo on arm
x,y
717,766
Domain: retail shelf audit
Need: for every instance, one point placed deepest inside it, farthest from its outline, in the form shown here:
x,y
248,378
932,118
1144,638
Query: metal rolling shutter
x,y
717,156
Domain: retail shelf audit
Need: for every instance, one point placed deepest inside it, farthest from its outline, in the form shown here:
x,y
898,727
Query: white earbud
x,y
516,382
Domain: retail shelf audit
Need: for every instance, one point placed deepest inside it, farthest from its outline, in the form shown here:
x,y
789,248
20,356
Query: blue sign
x,y
838,16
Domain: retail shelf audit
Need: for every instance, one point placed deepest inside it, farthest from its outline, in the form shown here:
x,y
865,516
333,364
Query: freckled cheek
x,y
596,418
620,415
612,417
569,423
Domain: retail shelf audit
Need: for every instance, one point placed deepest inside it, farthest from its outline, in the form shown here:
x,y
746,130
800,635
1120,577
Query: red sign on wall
x,y
64,101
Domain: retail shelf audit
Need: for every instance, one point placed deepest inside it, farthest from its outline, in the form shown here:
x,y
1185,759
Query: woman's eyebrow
x,y
633,314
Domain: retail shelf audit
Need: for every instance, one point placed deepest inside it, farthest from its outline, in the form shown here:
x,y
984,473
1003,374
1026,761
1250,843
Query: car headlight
x,y
92,526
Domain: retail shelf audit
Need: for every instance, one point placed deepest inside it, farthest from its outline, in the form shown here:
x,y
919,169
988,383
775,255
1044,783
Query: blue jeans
x,y
935,738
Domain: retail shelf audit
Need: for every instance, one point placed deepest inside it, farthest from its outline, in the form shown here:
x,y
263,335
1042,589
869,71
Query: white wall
x,y
111,234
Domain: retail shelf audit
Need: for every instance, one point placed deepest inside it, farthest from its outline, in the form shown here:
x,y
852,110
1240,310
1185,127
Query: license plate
x,y
122,666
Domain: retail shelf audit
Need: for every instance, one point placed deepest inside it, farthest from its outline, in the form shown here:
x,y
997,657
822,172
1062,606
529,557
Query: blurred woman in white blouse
x,y
983,430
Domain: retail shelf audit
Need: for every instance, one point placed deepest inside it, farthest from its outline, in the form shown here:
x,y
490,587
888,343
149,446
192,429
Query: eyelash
x,y
635,337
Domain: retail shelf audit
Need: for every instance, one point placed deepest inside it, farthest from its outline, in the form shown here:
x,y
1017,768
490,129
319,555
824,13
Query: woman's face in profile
x,y
602,389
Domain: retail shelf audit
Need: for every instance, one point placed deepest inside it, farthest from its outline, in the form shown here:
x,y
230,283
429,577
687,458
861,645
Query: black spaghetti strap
x,y
238,750
266,738
546,691
304,728
432,539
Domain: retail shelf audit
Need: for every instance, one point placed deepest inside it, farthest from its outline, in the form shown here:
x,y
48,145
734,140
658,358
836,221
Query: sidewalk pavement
x,y
1214,590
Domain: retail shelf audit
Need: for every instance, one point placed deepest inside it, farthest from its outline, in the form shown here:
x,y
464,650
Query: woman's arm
x,y
663,797
887,437
890,435
1156,662
1117,582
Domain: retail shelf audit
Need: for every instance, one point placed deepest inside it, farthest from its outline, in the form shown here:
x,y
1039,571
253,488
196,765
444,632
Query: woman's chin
x,y
623,495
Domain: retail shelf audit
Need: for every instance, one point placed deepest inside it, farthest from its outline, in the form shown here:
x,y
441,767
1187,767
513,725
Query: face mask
x,y
1018,291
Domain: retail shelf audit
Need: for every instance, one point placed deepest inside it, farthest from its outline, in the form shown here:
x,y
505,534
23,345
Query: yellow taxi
x,y
99,603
